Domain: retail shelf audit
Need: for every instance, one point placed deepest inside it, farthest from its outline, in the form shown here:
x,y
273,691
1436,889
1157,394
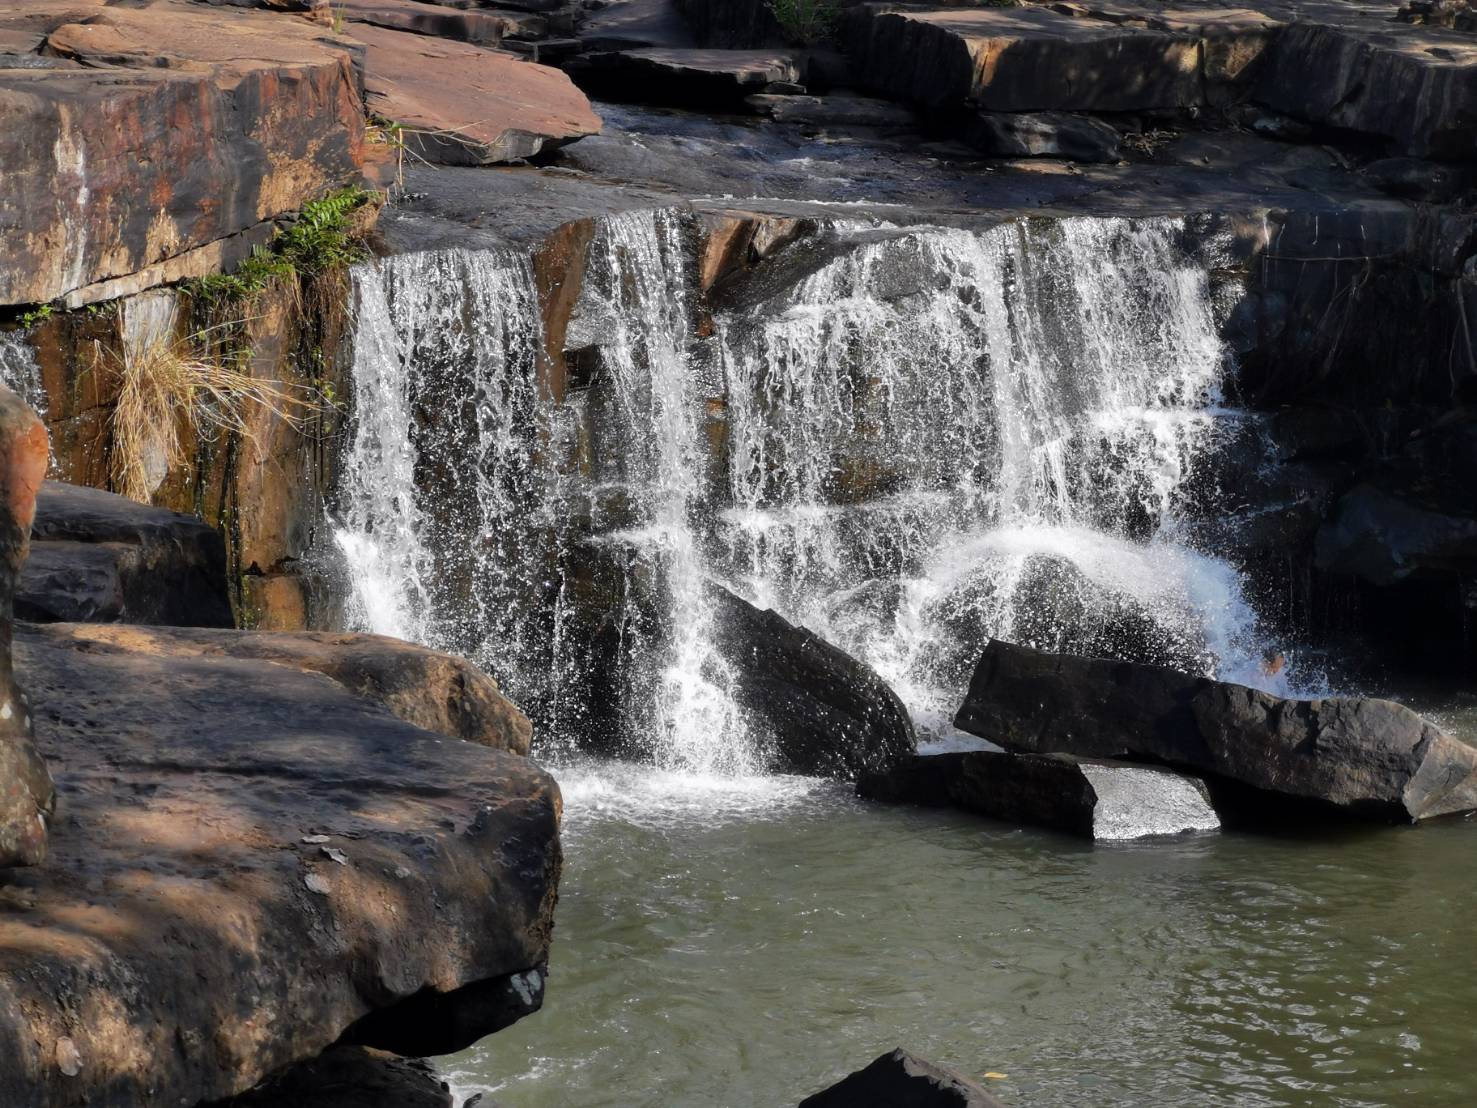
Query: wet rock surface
x,y
1109,801
104,558
825,713
249,860
903,1080
1362,757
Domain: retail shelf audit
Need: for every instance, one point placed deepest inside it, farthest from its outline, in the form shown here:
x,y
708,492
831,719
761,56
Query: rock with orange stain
x,y
27,796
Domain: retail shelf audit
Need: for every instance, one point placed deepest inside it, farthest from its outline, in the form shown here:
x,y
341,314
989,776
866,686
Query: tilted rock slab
x,y
496,108
1107,801
1367,757
903,1080
27,796
826,713
249,864
153,143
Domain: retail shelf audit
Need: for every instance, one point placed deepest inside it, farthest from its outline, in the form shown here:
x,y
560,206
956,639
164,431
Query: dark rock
x,y
1077,138
1110,801
903,1080
101,557
27,796
189,855
498,109
107,192
833,111
1417,179
826,713
1365,757
1383,538
350,1077
435,691
628,24
688,77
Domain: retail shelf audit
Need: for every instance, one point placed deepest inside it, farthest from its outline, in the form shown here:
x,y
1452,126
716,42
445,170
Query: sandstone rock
x,y
187,942
1364,757
1110,801
351,1077
688,76
435,691
498,109
103,181
903,1080
27,796
826,713
1078,138
97,556
480,28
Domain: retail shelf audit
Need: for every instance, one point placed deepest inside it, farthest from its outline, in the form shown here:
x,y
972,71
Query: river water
x,y
746,942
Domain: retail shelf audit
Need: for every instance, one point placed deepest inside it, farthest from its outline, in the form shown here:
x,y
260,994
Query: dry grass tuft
x,y
166,390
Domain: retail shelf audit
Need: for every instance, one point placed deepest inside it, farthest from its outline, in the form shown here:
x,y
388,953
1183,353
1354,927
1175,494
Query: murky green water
x,y
745,943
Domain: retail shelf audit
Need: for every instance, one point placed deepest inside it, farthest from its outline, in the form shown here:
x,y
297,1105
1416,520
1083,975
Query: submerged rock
x,y
903,1080
192,934
100,557
1110,801
825,713
1365,757
27,795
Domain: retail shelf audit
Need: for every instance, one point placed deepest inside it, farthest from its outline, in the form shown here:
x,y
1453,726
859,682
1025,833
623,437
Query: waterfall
x,y
932,437
19,371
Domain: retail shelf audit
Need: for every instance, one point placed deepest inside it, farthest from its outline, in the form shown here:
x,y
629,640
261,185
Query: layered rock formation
x,y
1364,757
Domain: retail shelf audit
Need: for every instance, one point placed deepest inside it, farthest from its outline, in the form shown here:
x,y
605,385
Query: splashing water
x,y
931,438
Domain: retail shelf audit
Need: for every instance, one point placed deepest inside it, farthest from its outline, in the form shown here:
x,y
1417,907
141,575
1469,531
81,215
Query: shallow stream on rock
x,y
746,942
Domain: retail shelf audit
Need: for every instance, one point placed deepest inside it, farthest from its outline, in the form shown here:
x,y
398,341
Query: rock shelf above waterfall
x,y
1361,757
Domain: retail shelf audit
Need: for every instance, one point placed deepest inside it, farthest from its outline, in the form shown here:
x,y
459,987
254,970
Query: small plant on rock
x,y
806,22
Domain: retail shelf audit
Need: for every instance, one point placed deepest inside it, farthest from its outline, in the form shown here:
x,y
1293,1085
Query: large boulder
x,y
351,1077
1364,757
250,864
100,557
438,692
156,141
903,1080
1110,801
27,796
498,108
823,712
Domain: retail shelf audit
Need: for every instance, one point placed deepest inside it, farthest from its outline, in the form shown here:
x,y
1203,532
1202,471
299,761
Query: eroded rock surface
x,y
248,861
97,557
1365,757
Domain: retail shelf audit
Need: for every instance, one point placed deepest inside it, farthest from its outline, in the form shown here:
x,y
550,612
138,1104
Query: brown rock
x,y
179,129
184,941
497,109
435,691
27,797
478,27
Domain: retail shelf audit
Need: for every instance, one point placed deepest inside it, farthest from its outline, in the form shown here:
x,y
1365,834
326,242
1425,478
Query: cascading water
x,y
933,437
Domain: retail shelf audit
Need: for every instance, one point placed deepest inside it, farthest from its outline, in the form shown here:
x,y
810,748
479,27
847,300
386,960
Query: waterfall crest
x,y
931,437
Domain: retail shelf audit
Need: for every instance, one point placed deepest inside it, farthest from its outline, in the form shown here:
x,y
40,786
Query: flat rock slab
x,y
436,691
903,1080
100,557
497,109
1363,757
169,129
688,76
247,862
1102,800
632,24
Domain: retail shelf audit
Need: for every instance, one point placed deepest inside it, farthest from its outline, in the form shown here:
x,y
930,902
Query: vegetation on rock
x,y
806,21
